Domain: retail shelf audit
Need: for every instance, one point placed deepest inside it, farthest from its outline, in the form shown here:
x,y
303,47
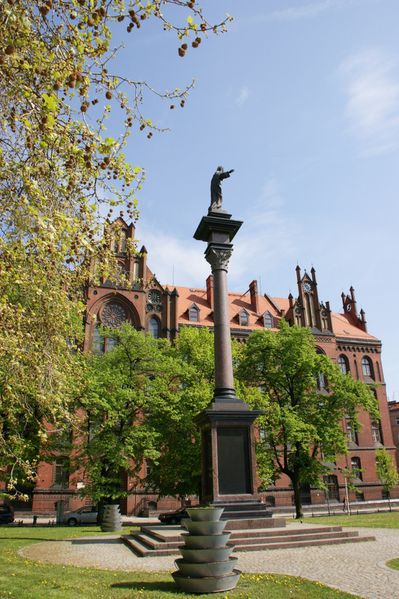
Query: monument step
x,y
301,543
142,550
238,542
242,534
251,523
155,543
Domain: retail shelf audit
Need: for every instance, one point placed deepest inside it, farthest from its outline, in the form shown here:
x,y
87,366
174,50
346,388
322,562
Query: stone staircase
x,y
153,541
246,510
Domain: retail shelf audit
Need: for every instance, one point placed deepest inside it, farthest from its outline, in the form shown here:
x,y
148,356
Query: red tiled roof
x,y
237,302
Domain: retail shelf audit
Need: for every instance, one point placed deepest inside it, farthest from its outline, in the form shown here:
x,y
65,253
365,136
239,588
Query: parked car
x,y
84,515
173,517
6,514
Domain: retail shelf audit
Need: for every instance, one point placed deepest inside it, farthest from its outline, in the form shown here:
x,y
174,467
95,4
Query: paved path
x,y
357,568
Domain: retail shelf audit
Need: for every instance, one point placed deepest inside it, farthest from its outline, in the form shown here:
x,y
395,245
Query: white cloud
x,y
305,11
268,238
371,81
242,96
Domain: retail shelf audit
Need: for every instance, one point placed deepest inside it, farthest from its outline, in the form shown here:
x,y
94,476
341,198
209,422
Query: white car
x,y
84,515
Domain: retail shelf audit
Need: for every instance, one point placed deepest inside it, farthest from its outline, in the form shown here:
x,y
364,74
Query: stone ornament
x,y
113,316
218,258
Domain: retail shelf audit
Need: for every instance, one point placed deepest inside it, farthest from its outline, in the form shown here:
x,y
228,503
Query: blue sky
x,y
301,98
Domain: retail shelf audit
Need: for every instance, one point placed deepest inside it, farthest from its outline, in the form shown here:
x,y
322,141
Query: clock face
x,y
154,301
154,296
348,307
307,287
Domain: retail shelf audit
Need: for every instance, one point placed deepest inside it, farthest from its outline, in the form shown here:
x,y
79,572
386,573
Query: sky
x,y
301,98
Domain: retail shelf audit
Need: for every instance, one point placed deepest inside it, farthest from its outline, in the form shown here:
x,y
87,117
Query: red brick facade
x,y
155,308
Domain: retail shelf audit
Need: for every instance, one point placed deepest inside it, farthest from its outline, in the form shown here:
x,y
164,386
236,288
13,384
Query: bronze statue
x,y
216,190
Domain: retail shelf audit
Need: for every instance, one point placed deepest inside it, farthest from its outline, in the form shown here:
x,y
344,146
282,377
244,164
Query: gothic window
x,y
113,315
367,367
98,341
61,474
268,320
343,364
356,466
153,327
376,432
351,433
243,318
193,314
122,242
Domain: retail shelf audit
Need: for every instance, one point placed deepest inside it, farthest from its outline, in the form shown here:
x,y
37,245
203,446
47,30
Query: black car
x,y
173,517
6,514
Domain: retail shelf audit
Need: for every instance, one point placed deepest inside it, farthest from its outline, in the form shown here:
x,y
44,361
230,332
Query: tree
x,y
177,470
59,172
387,471
139,404
304,397
124,387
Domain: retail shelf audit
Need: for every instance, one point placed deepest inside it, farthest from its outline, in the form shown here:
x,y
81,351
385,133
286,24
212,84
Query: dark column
x,y
228,440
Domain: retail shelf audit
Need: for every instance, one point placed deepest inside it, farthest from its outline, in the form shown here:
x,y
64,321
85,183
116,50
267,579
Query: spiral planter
x,y
206,565
111,520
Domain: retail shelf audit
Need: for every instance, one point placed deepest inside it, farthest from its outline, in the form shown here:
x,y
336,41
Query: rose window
x,y
113,315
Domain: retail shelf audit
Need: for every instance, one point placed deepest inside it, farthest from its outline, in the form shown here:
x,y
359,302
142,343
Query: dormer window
x,y
268,320
193,314
243,318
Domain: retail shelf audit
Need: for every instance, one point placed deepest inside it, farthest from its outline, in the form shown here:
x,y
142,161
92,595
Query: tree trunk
x,y
297,497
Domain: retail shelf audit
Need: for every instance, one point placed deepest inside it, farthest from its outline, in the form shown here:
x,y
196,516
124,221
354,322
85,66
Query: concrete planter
x,y
111,521
206,569
205,527
208,584
201,514
205,541
206,566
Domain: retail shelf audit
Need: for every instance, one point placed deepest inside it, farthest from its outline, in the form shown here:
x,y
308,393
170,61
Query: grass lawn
x,y
382,520
394,563
24,579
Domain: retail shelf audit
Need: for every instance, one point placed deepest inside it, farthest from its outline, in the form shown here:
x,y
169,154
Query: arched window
x,y
122,242
367,367
154,327
112,315
376,432
193,314
98,341
343,364
356,466
243,318
320,377
351,433
268,320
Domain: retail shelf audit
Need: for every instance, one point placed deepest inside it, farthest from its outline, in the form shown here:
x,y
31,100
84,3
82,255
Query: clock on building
x,y
307,287
154,301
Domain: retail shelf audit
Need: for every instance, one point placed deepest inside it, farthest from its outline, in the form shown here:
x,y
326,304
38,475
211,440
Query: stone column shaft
x,y
223,358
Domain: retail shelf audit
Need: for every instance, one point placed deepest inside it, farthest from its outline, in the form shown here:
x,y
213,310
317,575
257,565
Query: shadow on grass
x,y
161,586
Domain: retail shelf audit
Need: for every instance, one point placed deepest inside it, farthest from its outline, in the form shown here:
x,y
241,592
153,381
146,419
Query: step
x,y
303,543
152,543
142,551
285,531
291,538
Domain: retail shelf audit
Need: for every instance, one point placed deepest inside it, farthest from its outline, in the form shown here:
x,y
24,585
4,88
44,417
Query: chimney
x,y
209,291
363,320
174,306
253,290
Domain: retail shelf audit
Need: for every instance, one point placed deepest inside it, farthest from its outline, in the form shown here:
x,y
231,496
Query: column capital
x,y
218,255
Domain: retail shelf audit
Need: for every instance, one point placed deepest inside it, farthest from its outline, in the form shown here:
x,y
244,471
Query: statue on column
x,y
216,189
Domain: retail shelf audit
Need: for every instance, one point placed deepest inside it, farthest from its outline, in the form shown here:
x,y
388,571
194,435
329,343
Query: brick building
x,y
161,311
394,416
